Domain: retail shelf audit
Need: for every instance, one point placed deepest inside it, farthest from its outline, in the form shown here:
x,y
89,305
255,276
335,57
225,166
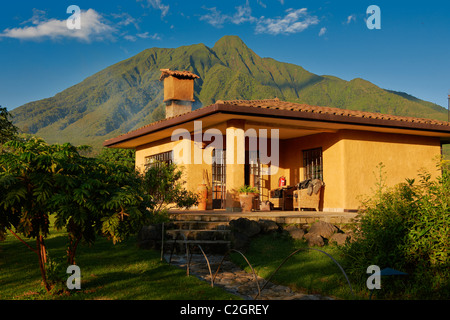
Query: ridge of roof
x,y
293,106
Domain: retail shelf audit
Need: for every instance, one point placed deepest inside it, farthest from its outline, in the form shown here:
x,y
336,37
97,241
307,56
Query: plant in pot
x,y
246,196
202,191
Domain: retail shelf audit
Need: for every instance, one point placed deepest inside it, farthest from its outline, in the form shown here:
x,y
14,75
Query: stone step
x,y
182,241
208,246
202,217
282,217
199,234
199,225
211,232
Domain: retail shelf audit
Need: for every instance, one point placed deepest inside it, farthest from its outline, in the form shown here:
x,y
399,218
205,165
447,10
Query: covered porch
x,y
341,148
271,158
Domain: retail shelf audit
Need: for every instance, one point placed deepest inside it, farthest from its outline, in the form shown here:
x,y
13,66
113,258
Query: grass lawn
x,y
308,271
108,271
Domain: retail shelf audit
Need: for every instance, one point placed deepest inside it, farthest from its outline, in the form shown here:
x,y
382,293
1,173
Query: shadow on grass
x,y
108,271
307,271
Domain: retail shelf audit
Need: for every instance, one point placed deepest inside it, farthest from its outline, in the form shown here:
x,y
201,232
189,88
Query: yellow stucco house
x,y
232,143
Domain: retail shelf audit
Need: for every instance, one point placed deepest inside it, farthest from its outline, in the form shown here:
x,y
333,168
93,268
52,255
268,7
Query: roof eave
x,y
336,118
278,113
163,124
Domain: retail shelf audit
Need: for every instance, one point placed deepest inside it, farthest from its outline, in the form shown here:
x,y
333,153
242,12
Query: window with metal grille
x,y
219,179
312,163
156,159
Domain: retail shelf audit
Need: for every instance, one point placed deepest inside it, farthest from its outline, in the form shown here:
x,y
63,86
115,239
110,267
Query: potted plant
x,y
246,196
202,191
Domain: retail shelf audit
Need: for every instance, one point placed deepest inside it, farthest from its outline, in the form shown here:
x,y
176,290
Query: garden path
x,y
237,281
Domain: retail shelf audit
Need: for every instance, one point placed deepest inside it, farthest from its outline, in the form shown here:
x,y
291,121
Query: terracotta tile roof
x,y
177,74
274,107
284,105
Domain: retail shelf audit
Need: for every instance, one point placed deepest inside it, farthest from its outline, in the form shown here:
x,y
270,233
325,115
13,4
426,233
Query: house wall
x,y
350,160
193,174
403,156
151,149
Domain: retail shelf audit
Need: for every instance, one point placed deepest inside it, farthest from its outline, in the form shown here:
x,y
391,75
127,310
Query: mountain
x,y
128,94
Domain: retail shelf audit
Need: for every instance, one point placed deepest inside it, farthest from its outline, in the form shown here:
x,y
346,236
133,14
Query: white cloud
x,y
261,4
130,37
38,15
217,19
322,31
92,28
351,18
157,4
214,17
294,21
243,14
125,19
146,35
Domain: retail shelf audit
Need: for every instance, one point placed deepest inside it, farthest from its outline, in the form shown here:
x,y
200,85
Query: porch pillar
x,y
235,162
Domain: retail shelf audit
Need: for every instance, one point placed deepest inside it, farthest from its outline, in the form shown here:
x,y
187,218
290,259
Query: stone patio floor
x,y
286,217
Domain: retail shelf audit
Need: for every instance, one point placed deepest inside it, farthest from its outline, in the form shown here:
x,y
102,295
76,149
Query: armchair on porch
x,y
308,195
282,198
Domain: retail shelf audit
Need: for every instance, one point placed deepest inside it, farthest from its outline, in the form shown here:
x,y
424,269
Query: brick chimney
x,y
178,91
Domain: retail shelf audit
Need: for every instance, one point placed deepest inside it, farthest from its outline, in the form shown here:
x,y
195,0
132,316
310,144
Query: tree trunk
x,y
42,256
75,236
21,240
73,244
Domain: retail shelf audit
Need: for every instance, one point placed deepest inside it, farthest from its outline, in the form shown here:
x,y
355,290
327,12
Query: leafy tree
x,y
125,157
7,129
89,197
26,187
164,184
97,197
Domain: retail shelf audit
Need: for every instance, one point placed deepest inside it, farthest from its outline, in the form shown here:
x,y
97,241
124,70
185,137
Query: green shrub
x,y
248,189
56,274
406,228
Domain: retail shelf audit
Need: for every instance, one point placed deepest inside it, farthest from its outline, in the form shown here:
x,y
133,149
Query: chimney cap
x,y
177,74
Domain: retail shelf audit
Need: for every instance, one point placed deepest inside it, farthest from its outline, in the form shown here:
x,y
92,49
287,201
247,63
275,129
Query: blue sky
x,y
40,56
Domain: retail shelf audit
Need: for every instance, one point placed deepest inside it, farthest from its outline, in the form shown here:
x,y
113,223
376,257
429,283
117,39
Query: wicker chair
x,y
303,201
